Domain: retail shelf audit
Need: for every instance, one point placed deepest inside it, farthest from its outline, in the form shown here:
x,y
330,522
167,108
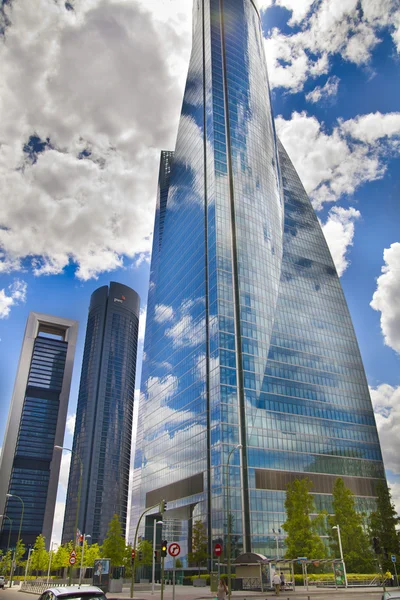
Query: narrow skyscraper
x,y
29,466
252,374
103,429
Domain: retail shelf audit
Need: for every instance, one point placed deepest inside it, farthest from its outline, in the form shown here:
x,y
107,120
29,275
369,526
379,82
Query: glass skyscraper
x,y
249,341
103,430
30,466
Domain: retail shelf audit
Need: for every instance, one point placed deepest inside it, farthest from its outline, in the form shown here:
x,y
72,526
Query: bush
x,y
206,577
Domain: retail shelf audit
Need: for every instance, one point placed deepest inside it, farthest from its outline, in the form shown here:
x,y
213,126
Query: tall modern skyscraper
x,y
103,429
30,467
250,354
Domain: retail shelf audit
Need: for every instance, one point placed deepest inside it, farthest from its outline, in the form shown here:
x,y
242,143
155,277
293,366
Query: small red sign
x,y
217,549
72,560
174,549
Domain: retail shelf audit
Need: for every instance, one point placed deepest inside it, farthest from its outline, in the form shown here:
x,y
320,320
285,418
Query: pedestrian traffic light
x,y
140,556
164,547
376,544
133,554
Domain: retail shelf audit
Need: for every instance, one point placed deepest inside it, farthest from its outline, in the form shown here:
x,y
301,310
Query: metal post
x,y
294,583
50,561
82,555
27,564
306,574
397,579
341,554
162,578
154,553
173,579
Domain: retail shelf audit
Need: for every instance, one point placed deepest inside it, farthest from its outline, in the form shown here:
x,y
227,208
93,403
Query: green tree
x,y
355,543
40,556
61,557
146,550
199,553
114,544
19,553
91,553
5,562
382,524
128,561
302,529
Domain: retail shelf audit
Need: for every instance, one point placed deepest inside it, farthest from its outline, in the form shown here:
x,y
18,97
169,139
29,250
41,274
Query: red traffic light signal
x,y
217,549
133,554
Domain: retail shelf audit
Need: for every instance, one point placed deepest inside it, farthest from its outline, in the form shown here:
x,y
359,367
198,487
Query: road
x,y
189,593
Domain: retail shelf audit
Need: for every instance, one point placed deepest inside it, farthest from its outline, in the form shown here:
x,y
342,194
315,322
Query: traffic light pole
x,y
135,541
162,578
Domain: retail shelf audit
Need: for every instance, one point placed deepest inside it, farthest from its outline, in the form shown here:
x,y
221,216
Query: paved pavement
x,y
190,593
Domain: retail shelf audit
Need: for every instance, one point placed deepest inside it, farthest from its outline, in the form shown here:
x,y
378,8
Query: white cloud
x,y
329,89
299,8
339,233
163,313
374,126
58,522
386,297
337,163
386,402
70,426
90,81
15,294
348,28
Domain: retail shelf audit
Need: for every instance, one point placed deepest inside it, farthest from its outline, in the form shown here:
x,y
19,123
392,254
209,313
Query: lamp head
x,y
334,527
58,448
239,446
9,495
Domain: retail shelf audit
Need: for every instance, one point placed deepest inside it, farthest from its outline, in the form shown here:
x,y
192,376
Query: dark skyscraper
x,y
102,438
30,467
250,354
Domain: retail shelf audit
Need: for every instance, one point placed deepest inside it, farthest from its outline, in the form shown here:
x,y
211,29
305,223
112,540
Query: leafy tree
x,y
5,562
199,553
128,561
146,549
61,557
178,563
355,543
19,553
382,524
114,544
40,556
91,553
302,530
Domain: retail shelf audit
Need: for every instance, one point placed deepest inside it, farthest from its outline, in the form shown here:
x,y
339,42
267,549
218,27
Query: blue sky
x,y
93,93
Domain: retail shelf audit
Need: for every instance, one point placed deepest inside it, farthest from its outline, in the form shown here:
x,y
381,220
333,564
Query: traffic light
x,y
164,546
386,554
133,554
140,556
155,554
163,506
376,545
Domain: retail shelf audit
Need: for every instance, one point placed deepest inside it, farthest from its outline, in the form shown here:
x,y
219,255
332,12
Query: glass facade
x,y
30,474
248,341
102,437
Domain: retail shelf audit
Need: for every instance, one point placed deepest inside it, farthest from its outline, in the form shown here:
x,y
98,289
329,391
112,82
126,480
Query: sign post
x,y
218,552
174,551
395,569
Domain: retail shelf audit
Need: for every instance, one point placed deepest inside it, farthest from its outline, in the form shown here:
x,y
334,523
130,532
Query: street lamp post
x,y
78,503
50,559
19,532
85,536
27,564
9,532
239,446
154,553
341,553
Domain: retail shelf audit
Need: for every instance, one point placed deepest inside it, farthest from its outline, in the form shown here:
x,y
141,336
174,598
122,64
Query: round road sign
x,y
217,549
72,560
174,549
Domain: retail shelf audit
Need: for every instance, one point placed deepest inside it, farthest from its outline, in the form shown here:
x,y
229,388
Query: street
x,y
189,593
